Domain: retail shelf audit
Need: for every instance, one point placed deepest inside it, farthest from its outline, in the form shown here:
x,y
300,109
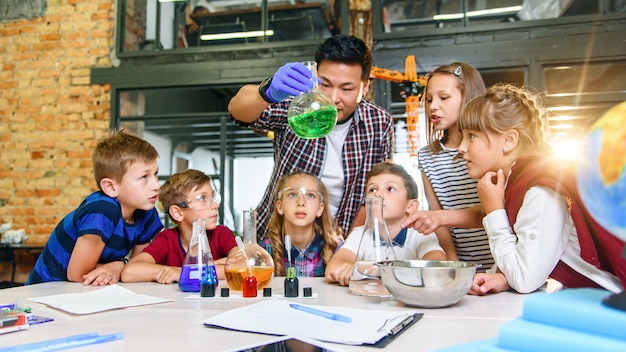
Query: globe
x,y
601,179
601,174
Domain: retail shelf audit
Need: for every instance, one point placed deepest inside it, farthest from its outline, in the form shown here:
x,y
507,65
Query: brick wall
x,y
50,115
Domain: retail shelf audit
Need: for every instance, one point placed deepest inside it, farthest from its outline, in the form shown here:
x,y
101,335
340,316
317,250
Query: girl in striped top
x,y
446,182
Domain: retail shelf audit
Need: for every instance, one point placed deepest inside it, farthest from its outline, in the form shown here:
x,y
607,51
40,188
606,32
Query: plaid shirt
x,y
309,262
369,141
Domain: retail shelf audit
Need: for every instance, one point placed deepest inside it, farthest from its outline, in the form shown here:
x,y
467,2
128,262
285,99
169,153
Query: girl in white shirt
x,y
535,232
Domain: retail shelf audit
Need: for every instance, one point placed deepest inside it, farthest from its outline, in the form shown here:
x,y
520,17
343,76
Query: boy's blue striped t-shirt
x,y
99,215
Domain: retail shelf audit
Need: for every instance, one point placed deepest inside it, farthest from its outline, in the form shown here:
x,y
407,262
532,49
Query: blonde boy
x,y
91,243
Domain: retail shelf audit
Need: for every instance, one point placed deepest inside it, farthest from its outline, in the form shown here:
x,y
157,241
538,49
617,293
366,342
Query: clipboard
x,y
398,329
287,343
375,328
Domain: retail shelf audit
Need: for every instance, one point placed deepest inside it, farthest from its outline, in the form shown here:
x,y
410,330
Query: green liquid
x,y
315,124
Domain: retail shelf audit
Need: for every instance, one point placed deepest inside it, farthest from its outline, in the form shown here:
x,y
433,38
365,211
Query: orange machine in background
x,y
413,89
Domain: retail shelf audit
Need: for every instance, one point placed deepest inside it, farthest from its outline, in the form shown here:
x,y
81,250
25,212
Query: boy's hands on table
x,y
167,275
340,274
104,274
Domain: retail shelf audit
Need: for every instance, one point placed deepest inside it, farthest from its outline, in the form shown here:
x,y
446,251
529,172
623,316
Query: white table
x,y
177,325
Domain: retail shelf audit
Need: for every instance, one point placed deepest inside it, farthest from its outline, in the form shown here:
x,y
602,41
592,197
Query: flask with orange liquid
x,y
256,261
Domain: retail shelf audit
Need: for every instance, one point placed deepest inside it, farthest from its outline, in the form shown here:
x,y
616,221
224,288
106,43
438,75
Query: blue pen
x,y
43,344
65,342
321,313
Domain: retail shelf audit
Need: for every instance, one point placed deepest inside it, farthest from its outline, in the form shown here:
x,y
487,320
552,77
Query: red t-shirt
x,y
166,248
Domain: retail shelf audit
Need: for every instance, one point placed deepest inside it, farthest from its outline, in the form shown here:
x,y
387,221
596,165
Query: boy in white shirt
x,y
399,191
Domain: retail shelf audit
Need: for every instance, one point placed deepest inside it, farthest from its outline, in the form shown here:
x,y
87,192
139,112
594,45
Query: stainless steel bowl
x,y
427,283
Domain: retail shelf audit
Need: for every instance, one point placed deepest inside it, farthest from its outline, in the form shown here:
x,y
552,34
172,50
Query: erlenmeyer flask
x,y
198,266
312,114
375,246
259,260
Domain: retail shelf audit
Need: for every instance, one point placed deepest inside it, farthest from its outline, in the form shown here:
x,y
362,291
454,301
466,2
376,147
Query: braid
x,y
536,132
516,108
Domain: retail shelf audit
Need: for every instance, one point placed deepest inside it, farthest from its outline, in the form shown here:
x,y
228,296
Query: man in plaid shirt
x,y
362,137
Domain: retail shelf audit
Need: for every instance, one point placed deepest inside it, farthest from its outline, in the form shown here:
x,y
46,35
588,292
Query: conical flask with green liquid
x,y
312,114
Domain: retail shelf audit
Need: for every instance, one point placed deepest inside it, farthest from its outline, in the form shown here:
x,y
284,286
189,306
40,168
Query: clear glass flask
x,y
198,267
259,261
312,114
375,246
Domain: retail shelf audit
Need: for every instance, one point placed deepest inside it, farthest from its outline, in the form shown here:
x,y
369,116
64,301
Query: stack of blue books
x,y
568,320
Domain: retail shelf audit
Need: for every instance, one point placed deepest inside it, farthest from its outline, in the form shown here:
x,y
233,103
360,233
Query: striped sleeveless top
x,y
456,190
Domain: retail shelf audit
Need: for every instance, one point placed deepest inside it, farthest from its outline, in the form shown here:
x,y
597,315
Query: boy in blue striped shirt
x,y
91,243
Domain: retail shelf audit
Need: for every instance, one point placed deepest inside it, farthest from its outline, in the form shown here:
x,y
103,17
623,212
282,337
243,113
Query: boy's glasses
x,y
293,193
202,200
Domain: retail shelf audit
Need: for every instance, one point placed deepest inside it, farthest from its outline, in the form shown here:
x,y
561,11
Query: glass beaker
x,y
312,114
198,267
259,260
375,246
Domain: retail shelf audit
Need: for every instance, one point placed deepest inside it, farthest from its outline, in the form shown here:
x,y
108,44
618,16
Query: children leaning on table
x,y
536,224
301,211
186,195
397,187
91,243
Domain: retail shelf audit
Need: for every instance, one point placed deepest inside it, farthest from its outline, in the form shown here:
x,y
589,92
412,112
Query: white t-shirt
x,y
333,177
414,246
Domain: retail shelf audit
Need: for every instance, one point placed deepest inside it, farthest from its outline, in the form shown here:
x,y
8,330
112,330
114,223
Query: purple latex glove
x,y
291,79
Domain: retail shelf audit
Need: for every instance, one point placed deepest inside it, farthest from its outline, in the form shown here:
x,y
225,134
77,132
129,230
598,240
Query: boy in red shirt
x,y
185,196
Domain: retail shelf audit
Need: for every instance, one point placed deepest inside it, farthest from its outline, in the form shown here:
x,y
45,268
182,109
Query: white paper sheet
x,y
106,298
278,318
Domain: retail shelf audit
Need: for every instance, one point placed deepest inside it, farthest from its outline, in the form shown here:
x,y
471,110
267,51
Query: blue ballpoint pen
x,y
64,343
321,313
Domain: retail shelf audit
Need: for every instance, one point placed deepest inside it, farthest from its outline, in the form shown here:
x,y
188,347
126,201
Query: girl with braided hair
x,y
300,211
537,226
